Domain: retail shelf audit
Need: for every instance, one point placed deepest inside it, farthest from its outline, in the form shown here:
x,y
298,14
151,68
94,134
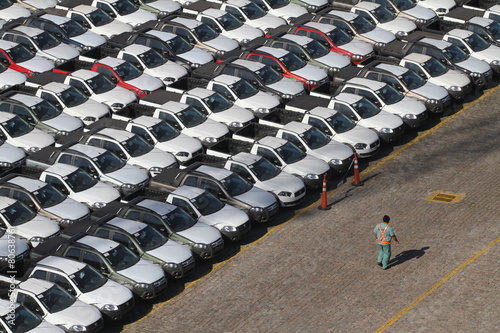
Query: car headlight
x,y
220,53
170,265
66,222
236,124
409,116
5,164
182,154
312,82
245,41
117,105
432,101
401,34
335,162
141,286
420,21
209,139
229,228
109,307
311,176
262,110
62,133
360,146
495,63
287,96
98,205
89,118
128,186
59,61
379,45
6,86
33,149
144,92
4,259
196,65
312,7
155,169
285,194
455,88
357,57
256,210
169,80
87,48
77,328
37,239
200,246
386,130
163,13
475,74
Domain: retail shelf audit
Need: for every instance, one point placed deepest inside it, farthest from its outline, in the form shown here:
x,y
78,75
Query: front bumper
x,y
418,121
123,310
213,249
241,232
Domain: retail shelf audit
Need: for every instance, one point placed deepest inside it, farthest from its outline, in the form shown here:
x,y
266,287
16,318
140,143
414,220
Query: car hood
x,y
287,86
164,6
209,128
474,65
308,164
228,215
383,119
35,138
129,174
333,150
88,108
46,327
489,54
431,90
64,122
78,313
259,100
62,51
154,158
146,82
10,78
420,12
197,56
143,272
201,233
406,106
9,240
380,35
41,4
181,142
169,69
283,182
222,43
398,24
112,28
14,12
310,72
171,252
37,64
358,134
116,95
357,47
257,197
138,17
243,32
38,226
267,21
11,154
109,293
333,59
90,38
453,77
100,192
69,209
289,11
234,113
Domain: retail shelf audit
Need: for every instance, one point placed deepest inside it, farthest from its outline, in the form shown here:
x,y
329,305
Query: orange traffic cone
x,y
324,204
357,181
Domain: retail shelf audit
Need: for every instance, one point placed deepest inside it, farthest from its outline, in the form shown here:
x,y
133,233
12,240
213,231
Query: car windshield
x,y
435,67
236,185
494,30
229,22
125,7
243,89
45,110
404,4
56,299
24,320
100,84
109,162
268,75
17,214
137,146
292,62
362,25
163,131
79,180
121,257
6,4
72,97
99,17
455,53
178,220
46,41
49,196
412,80
152,58
88,279
20,53
126,71
149,238
17,126
477,43
365,108
264,170
339,37
191,117
316,49
314,138
275,4
253,11
340,123
73,29
179,45
389,94
217,103
290,153
205,33
383,15
206,203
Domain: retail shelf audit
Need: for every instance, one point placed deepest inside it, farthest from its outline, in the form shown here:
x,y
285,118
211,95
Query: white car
x,y
19,133
384,18
27,225
42,43
440,7
252,14
9,77
14,316
282,8
11,157
161,8
13,250
37,4
86,284
57,306
9,11
409,9
206,208
79,185
125,11
23,60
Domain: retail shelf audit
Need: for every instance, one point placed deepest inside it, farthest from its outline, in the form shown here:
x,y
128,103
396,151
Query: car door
x,y
224,91
29,302
270,156
212,187
94,260
186,206
57,183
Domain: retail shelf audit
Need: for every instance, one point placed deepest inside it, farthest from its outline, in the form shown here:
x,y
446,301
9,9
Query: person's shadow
x,y
407,255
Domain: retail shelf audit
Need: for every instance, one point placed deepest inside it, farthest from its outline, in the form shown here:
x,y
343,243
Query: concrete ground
x,y
315,271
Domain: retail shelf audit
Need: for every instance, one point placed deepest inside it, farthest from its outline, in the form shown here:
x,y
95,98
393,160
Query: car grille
x,y
84,217
446,99
217,245
242,227
160,282
143,184
198,152
399,129
20,162
375,144
127,305
95,326
467,87
188,263
299,192
273,209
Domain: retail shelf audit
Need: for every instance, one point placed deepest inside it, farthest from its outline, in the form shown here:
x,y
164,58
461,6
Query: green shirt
x,y
389,232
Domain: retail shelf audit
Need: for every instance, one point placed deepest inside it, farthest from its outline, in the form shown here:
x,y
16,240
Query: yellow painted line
x,y
315,204
434,287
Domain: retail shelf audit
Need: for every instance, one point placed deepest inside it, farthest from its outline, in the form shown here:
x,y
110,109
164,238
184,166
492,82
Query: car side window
x,y
210,186
102,233
79,85
194,102
211,22
235,12
416,68
168,28
9,37
169,119
113,147
5,106
184,205
373,76
349,90
392,81
370,96
222,90
327,20
294,49
293,139
85,165
269,155
131,58
342,25
73,253
242,171
133,215
254,57
478,30
158,45
319,37
50,98
345,110
29,302
319,124
80,19
95,142
106,7
60,280
191,181
39,274
302,32
21,196
435,53
121,238
56,182
229,71
22,112
364,14
93,260
106,71
417,49
25,41
152,220
139,131
269,61
5,192
457,42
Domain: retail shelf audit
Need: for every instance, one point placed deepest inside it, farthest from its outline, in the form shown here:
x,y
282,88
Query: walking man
x,y
384,235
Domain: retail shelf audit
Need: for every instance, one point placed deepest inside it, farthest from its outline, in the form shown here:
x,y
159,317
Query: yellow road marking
x,y
315,204
434,287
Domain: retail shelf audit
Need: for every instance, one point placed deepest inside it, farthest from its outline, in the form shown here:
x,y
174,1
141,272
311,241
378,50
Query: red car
x,y
19,58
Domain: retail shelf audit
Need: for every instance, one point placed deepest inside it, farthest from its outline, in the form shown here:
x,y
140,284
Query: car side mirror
x,y
5,62
114,79
58,35
103,269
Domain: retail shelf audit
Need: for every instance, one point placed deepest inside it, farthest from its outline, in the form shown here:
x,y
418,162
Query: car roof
x,y
35,286
173,106
301,40
440,44
84,9
272,141
297,127
249,64
116,134
101,245
238,3
367,5
347,97
395,69
84,74
56,87
483,21
7,45
88,150
61,169
188,23
28,100
189,192
246,158
129,226
6,306
201,92
342,14
68,266
111,61
461,33
29,184
217,173
28,30
366,82
417,57
214,12
322,111
227,79
5,116
55,18
147,121
161,208
278,53
136,49
323,27
163,35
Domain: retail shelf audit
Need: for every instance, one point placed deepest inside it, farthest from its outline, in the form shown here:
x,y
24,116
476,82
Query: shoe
x,y
380,264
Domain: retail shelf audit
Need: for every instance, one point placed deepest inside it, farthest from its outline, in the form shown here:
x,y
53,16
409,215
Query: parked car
x,y
10,157
23,319
19,58
13,251
9,77
282,8
10,11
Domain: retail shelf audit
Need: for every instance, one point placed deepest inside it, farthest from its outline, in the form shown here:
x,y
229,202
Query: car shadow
x,y
406,256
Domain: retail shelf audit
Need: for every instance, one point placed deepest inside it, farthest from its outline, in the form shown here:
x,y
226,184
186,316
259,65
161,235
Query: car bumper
x,y
418,121
214,249
397,133
241,232
123,310
297,198
267,214
317,183
459,95
344,167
